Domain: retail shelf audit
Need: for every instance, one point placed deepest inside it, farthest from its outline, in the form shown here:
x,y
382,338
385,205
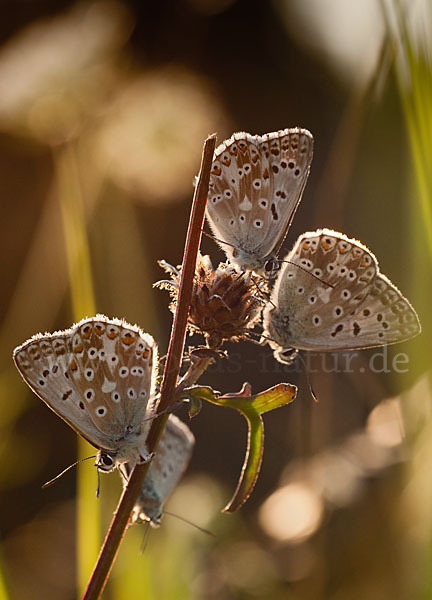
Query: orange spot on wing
x,y
216,171
128,339
364,262
146,353
325,245
226,162
266,174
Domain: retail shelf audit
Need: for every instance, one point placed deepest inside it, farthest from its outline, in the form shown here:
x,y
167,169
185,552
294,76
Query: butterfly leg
x,y
286,356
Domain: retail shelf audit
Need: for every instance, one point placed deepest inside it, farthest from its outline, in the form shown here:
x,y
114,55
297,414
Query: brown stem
x,y
124,509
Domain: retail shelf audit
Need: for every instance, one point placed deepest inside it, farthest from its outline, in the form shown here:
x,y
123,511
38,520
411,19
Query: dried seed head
x,y
224,303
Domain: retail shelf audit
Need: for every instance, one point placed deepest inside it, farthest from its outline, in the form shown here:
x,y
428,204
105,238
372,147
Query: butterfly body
x,y
98,376
256,184
330,295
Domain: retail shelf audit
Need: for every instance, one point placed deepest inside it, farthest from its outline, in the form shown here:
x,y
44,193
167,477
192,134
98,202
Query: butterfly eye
x,y
271,266
105,462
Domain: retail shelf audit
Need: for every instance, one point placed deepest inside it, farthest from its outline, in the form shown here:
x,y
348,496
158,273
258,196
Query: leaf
x,y
195,406
251,407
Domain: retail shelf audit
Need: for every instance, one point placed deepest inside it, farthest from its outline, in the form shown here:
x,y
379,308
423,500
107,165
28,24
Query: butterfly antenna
x,y
98,484
308,272
54,479
206,531
311,390
215,239
174,406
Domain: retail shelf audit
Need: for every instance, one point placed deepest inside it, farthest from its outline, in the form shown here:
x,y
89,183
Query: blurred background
x,y
104,107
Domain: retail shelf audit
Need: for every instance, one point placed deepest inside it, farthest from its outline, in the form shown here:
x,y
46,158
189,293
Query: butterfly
x,y
99,377
256,184
172,457
330,295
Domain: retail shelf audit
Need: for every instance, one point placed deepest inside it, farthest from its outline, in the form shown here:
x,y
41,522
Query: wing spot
x,y
89,395
274,212
66,395
337,311
137,371
115,397
316,320
101,411
338,329
123,372
89,374
356,328
92,352
258,223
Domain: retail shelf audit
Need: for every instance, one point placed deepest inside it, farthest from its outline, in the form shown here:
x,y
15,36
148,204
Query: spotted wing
x,y
97,376
172,457
331,296
256,184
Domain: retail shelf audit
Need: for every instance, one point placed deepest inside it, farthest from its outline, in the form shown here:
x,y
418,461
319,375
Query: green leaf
x,y
195,406
251,407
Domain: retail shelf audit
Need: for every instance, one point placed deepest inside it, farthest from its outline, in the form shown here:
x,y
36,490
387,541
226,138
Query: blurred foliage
x,y
104,106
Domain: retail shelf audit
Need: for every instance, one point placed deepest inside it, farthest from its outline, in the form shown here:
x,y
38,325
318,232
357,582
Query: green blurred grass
x,y
83,304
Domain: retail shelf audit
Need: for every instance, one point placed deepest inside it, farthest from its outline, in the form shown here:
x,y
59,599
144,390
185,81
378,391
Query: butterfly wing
x,y
331,296
256,184
172,457
98,376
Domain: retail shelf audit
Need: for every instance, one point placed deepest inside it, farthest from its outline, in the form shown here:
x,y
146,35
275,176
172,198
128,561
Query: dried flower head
x,y
225,302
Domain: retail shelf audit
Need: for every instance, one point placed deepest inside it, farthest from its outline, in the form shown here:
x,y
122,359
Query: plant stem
x,y
172,367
